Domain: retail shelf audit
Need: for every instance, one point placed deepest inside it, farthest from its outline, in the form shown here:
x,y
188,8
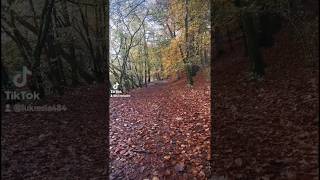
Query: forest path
x,y
161,131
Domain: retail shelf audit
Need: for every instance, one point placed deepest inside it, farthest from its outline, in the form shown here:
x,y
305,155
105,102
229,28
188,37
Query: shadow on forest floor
x,y
69,144
267,129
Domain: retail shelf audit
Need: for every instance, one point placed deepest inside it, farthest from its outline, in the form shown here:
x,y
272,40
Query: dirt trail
x,y
161,131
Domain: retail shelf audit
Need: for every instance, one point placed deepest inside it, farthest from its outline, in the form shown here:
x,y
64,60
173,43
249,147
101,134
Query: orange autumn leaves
x,y
172,57
198,29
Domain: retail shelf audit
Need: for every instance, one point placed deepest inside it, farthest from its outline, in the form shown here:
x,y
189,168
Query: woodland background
x,y
256,60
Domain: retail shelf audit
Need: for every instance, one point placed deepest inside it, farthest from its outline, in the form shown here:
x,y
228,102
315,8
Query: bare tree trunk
x,y
34,14
145,72
146,64
73,62
51,56
137,76
36,80
87,38
104,33
187,61
74,66
149,73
